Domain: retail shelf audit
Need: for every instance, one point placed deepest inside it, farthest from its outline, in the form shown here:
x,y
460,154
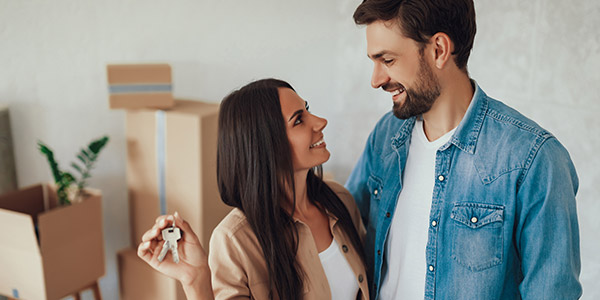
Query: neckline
x,y
420,131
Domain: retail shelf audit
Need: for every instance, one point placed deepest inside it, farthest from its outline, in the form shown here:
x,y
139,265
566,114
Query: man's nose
x,y
379,77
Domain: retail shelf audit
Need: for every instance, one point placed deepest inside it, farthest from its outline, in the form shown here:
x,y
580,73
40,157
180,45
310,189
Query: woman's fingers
x,y
144,251
153,233
190,235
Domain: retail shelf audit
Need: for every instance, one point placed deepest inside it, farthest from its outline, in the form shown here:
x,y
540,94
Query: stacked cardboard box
x,y
171,166
47,251
8,174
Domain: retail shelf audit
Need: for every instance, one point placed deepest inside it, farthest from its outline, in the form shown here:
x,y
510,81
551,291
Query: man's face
x,y
401,69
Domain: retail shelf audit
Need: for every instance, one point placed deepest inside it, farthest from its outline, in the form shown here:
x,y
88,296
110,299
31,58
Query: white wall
x,y
540,56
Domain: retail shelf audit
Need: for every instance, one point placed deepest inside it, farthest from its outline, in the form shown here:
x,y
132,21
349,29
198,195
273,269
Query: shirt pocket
x,y
478,237
375,188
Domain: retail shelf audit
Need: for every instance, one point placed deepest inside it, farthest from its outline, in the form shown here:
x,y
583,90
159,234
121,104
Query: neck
x,y
450,107
301,193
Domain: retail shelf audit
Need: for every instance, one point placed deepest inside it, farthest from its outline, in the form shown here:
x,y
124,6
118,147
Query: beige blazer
x,y
239,269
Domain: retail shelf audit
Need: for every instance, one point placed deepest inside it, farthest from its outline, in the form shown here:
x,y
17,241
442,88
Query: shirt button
x,y
431,268
378,252
360,278
433,223
474,220
441,178
375,192
387,215
345,248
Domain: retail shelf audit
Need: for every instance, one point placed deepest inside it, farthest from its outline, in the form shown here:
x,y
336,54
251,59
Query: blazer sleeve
x,y
229,278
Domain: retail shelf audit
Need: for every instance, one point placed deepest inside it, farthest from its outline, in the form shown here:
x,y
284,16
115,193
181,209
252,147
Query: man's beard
x,y
419,99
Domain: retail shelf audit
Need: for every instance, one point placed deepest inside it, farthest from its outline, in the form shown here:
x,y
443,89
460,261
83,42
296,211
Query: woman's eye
x,y
298,121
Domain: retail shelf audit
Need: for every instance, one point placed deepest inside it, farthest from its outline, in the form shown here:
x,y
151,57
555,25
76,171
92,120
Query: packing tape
x,y
15,293
139,88
161,150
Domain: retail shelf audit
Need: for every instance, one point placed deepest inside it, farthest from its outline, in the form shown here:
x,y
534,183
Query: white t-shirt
x,y
404,256
342,281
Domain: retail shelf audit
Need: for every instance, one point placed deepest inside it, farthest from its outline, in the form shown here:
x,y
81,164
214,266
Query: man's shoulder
x,y
500,114
508,140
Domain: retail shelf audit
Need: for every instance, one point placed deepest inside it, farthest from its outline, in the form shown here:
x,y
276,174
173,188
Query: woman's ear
x,y
442,49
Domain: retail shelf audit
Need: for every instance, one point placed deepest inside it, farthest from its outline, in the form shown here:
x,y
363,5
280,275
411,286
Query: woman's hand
x,y
192,270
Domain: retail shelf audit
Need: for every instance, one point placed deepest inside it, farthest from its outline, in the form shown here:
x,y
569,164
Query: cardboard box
x,y
140,281
140,86
49,252
174,153
8,174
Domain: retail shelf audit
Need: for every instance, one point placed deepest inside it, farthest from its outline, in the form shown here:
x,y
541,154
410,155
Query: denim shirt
x,y
503,221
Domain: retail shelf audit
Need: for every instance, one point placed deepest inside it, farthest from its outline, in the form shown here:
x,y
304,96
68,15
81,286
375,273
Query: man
x,y
462,196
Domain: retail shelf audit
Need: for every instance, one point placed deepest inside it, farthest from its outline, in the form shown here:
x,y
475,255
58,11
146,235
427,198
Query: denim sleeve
x,y
547,233
357,182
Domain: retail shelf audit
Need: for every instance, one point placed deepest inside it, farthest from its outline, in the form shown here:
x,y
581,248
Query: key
x,y
170,235
164,251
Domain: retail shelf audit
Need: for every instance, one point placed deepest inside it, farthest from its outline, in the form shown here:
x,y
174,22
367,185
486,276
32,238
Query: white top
x,y
406,244
342,281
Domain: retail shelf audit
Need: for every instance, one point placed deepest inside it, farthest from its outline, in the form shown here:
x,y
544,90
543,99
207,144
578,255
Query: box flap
x,y
20,259
22,273
18,229
72,245
29,200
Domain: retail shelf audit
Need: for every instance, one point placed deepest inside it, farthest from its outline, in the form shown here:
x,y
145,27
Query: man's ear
x,y
442,47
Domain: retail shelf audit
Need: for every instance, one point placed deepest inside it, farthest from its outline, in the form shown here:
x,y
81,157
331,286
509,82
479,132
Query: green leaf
x,y
67,178
87,154
77,167
97,145
82,159
50,157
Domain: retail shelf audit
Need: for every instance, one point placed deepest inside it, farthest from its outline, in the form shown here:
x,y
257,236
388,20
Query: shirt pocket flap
x,y
476,215
375,187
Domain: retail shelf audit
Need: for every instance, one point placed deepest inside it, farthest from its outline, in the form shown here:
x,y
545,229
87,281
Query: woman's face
x,y
304,131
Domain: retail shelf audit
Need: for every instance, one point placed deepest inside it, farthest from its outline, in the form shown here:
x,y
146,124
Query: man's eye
x,y
387,61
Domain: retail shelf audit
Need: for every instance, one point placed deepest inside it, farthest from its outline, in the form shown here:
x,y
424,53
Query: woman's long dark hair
x,y
255,172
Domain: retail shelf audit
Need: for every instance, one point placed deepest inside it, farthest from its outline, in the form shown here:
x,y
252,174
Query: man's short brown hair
x,y
421,19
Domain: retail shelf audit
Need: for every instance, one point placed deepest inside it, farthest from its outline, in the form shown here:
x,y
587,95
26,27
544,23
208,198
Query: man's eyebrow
x,y
377,55
298,112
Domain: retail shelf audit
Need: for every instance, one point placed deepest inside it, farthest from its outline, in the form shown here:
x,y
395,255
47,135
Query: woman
x,y
291,235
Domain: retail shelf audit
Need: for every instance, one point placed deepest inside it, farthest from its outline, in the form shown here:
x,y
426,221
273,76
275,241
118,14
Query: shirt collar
x,y
467,132
332,220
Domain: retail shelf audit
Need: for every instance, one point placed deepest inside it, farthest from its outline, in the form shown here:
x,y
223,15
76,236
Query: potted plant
x,y
69,188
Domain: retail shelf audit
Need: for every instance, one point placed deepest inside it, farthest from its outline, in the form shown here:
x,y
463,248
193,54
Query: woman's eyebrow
x,y
300,111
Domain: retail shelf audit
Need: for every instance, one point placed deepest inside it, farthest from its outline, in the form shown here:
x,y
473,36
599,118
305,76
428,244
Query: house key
x,y
170,235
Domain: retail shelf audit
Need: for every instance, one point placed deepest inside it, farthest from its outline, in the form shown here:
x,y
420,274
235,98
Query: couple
x,y
461,197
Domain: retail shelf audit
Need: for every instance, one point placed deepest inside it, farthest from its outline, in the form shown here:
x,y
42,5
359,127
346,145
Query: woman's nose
x,y
319,123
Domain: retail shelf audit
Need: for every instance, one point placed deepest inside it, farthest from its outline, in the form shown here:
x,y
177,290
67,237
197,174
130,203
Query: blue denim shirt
x,y
503,221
